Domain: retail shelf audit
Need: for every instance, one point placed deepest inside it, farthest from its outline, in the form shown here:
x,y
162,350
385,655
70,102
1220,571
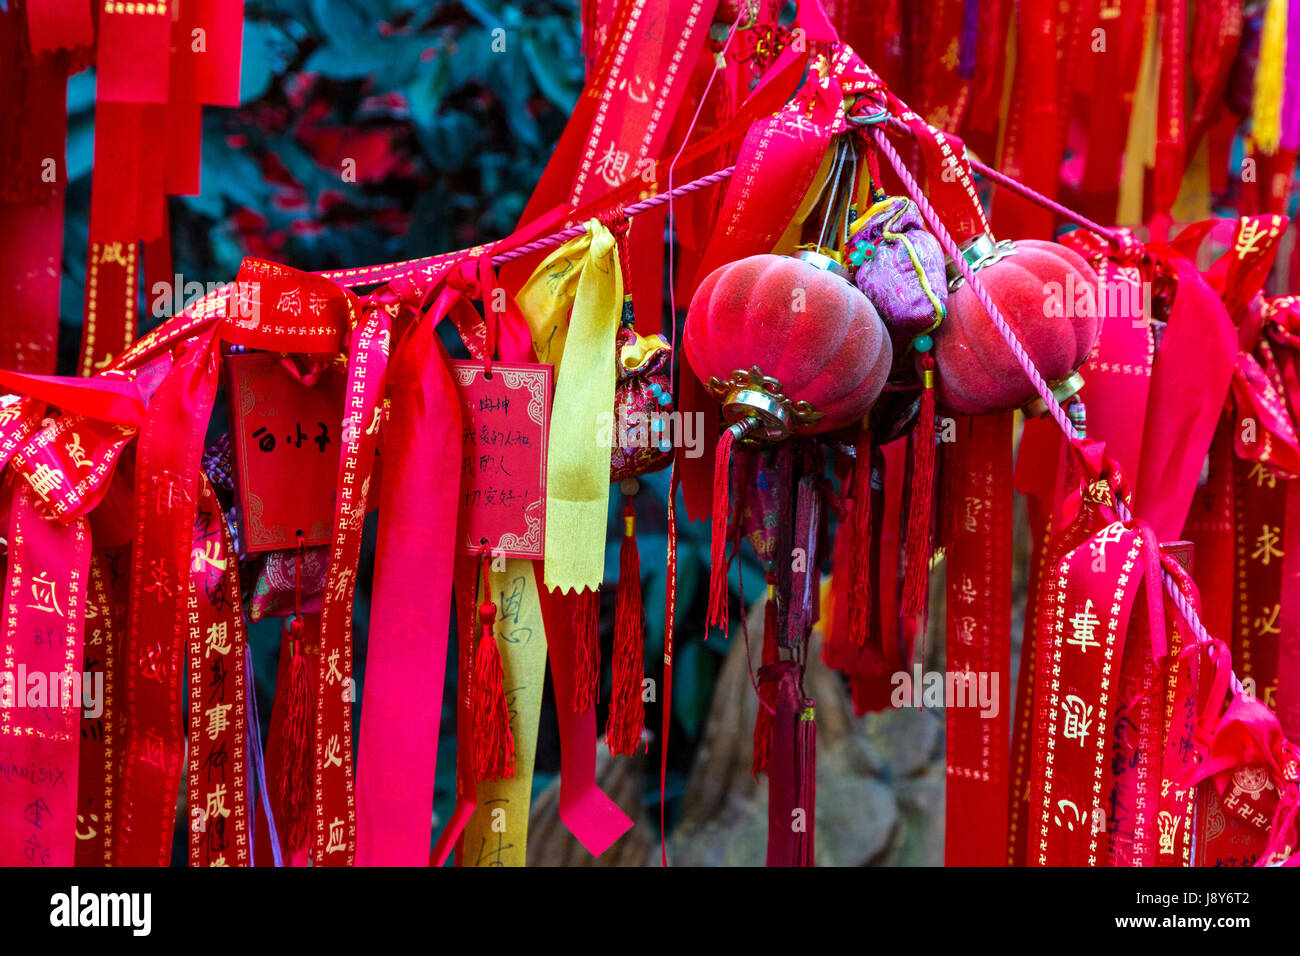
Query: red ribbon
x,y
1195,363
166,498
979,641
408,632
334,832
44,613
97,759
218,694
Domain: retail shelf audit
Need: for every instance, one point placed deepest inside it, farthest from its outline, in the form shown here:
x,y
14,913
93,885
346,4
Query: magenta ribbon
x,y
1290,131
585,809
1191,376
398,750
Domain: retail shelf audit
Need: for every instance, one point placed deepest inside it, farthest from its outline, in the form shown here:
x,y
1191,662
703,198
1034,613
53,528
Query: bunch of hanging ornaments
x,y
823,358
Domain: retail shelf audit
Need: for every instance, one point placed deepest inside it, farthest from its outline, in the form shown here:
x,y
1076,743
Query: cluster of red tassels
x,y
624,729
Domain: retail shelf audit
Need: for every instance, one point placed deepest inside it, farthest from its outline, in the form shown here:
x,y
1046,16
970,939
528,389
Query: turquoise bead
x,y
664,398
862,252
923,343
665,446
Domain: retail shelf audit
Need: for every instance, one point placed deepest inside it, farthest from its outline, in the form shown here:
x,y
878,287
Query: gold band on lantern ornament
x,y
758,404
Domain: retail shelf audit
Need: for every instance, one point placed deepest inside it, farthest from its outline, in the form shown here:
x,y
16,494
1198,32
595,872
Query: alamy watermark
x,y
1110,300
665,431
24,688
946,689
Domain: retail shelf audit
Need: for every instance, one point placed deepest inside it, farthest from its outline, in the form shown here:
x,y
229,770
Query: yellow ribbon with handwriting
x,y
583,279
497,833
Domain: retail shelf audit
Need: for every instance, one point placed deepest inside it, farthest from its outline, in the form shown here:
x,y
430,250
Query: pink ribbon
x,y
1191,376
398,748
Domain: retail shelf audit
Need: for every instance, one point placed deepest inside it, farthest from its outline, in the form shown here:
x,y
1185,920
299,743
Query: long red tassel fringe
x,y
717,613
586,635
860,569
805,763
295,779
625,727
917,574
763,723
494,744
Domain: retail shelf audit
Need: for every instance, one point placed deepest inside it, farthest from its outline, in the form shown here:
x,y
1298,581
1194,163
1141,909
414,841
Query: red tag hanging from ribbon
x,y
134,50
506,420
285,433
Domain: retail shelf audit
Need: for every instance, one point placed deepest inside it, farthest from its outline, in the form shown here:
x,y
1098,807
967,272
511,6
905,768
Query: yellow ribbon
x,y
639,350
1266,114
1140,151
581,278
497,834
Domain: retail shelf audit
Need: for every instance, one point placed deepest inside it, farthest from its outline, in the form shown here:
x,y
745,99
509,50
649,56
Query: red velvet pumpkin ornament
x,y
1048,295
790,347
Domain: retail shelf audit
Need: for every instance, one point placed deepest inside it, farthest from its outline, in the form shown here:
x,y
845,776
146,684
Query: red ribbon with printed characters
x,y
97,760
218,694
333,836
40,721
979,641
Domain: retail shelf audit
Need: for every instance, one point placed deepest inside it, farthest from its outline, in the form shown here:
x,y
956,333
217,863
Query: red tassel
x,y
917,574
717,613
805,781
295,779
860,571
494,744
766,689
626,725
586,635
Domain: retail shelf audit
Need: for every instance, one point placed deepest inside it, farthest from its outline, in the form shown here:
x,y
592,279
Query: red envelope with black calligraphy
x,y
507,417
286,438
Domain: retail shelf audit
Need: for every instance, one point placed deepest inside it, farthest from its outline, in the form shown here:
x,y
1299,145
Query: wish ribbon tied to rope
x,y
177,364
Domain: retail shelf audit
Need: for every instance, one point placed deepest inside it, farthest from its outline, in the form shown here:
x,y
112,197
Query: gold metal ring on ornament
x,y
1062,390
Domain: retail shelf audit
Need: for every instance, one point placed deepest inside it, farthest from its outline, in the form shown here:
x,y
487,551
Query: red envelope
x,y
286,440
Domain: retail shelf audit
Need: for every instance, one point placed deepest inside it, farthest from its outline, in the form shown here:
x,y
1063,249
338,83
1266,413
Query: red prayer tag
x,y
286,437
503,457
